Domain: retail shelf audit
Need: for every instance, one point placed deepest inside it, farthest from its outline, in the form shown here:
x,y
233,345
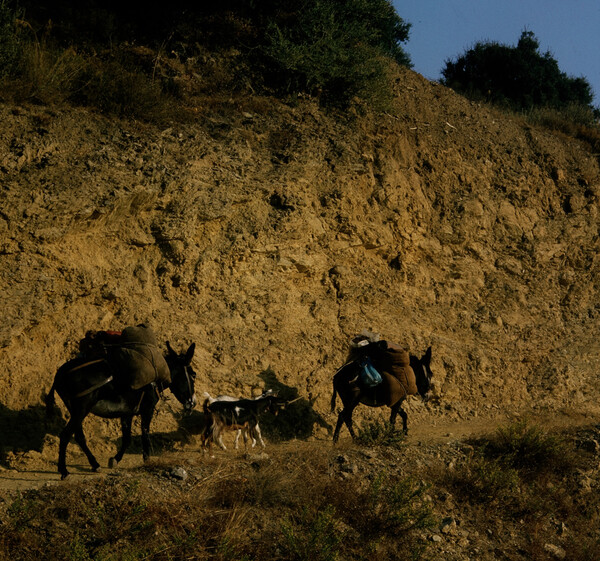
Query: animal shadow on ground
x,y
297,420
294,421
159,441
24,430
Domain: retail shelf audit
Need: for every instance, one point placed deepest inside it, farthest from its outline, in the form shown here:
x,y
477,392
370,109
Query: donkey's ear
x,y
190,353
427,356
170,349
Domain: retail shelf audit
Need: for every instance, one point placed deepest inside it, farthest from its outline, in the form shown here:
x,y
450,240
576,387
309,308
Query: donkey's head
x,y
182,376
424,377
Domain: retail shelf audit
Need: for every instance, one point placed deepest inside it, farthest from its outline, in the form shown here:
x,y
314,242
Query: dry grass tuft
x,y
290,506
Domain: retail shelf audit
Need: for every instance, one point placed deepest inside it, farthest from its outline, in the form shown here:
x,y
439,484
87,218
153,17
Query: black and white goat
x,y
238,414
244,431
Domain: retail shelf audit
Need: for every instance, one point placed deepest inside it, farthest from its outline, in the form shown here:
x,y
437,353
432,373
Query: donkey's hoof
x,y
63,476
96,469
112,462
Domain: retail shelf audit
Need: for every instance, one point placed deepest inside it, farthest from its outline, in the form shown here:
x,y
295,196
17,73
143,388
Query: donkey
x,y
389,392
87,386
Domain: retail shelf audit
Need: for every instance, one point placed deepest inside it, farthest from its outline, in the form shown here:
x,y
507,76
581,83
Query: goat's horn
x,y
292,401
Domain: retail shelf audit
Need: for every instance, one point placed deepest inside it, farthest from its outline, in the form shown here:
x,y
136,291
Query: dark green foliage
x,y
517,77
338,50
332,49
9,44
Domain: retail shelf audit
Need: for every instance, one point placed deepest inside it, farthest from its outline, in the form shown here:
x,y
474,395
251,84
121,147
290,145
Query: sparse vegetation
x,y
294,509
377,433
524,474
299,504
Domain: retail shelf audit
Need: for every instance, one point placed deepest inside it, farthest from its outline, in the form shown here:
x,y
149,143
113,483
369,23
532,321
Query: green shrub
x,y
518,77
398,505
529,449
313,535
379,434
489,480
336,50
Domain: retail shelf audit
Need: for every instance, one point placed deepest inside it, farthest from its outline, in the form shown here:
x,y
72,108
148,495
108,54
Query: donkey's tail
x,y
50,403
333,398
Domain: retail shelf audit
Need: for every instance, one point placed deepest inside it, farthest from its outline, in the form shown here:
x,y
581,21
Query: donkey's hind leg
x,y
80,439
71,428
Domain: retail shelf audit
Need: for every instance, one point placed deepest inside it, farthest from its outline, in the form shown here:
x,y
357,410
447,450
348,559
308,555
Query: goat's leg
x,y
258,436
80,439
238,433
125,441
207,441
217,434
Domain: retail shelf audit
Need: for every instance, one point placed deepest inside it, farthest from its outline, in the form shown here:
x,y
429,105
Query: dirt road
x,y
32,470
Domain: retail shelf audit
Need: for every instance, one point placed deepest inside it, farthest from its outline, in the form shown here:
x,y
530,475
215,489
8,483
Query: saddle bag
x,y
368,374
138,360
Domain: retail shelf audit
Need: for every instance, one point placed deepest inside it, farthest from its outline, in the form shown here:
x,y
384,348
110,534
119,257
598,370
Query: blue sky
x,y
442,29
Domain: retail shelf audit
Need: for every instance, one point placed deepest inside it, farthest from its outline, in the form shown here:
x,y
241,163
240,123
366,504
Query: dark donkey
x,y
87,386
389,392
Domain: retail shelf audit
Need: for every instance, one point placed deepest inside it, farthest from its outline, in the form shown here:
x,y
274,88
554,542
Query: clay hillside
x,y
270,233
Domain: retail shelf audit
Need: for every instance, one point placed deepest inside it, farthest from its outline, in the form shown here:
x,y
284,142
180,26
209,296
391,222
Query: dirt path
x,y
33,470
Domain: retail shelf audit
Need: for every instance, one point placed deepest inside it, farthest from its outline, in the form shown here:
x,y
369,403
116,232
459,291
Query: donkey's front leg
x,y
80,439
125,441
345,416
146,418
397,408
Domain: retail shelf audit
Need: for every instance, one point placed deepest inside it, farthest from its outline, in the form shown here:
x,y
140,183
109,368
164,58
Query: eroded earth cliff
x,y
269,234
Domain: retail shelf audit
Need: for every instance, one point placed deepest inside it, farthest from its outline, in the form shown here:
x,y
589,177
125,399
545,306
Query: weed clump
x,y
529,450
377,433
